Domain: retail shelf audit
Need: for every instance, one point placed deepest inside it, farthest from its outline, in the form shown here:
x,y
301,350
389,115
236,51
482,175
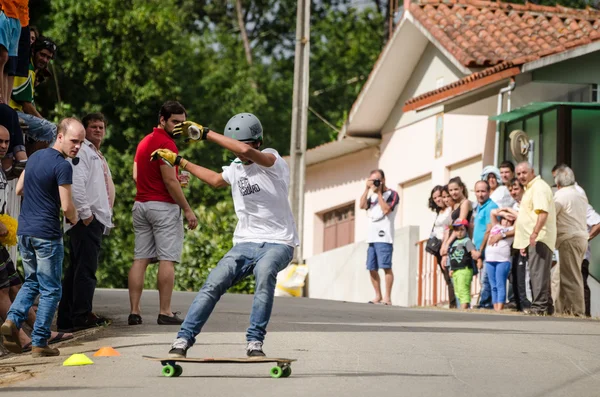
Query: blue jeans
x,y
42,262
485,296
39,129
498,274
265,260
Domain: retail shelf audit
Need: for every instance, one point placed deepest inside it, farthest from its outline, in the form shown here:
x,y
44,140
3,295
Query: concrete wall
x,y
340,274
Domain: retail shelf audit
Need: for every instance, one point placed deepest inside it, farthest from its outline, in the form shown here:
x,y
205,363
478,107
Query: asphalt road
x,y
342,349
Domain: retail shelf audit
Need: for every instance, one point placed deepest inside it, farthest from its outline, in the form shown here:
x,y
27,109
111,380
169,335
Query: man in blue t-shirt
x,y
481,222
46,188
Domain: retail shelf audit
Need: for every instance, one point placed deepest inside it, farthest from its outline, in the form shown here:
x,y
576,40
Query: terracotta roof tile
x,y
499,36
485,33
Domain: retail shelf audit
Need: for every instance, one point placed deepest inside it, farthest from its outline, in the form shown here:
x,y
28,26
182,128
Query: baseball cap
x,y
460,222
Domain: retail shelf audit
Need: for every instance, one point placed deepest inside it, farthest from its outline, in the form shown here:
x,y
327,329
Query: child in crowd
x,y
461,254
498,254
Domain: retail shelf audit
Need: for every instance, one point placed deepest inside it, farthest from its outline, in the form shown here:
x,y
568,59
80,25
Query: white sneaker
x,y
179,348
254,349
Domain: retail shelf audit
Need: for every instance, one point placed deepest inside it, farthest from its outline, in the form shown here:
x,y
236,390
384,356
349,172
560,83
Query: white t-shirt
x,y
442,221
260,198
501,196
501,251
592,219
381,227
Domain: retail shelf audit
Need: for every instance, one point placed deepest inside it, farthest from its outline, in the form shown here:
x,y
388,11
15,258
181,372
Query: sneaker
x,y
45,351
254,349
10,332
168,320
134,319
179,348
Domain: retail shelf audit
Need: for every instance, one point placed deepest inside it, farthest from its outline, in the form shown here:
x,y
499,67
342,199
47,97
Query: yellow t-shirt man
x,y
537,198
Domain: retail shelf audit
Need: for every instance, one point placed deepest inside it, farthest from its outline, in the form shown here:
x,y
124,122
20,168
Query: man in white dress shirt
x,y
93,195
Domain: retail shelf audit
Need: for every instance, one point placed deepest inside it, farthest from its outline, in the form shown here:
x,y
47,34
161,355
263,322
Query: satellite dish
x,y
519,145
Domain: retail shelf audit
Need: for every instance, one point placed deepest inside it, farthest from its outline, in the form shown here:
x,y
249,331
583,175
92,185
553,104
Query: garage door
x,y
470,172
413,202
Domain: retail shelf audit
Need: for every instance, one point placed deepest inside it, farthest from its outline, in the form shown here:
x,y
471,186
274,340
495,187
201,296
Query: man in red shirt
x,y
157,221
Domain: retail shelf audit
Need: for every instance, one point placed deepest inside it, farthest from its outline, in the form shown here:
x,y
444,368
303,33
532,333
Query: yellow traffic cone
x,y
77,359
106,351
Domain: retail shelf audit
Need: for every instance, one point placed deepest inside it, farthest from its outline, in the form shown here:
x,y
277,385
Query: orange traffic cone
x,y
106,351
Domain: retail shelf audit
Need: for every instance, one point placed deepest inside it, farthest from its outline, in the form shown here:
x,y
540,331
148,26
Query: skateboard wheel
x,y
168,371
287,371
276,372
178,370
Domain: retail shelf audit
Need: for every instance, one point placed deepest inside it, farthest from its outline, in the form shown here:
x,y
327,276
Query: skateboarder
x,y
265,235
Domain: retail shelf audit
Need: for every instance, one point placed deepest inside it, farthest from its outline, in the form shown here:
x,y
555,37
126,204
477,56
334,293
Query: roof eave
x,y
350,127
339,148
562,56
463,90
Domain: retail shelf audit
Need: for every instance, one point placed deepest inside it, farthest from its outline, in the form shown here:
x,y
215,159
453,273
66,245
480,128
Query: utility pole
x,y
299,120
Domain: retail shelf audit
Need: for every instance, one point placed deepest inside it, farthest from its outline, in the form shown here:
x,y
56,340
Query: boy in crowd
x,y
461,254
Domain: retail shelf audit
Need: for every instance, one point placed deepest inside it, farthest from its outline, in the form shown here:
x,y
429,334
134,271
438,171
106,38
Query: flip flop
x,y
385,303
60,337
373,303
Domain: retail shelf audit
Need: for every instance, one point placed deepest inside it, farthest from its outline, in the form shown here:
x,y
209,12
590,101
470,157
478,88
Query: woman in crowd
x,y
440,231
461,210
498,192
498,256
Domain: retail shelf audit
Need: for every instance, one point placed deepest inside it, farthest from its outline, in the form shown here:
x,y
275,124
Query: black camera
x,y
377,182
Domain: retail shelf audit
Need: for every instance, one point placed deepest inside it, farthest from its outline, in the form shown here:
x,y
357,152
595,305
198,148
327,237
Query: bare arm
x,y
213,178
465,207
541,221
594,231
385,208
20,183
485,238
67,204
30,108
363,199
173,186
240,148
134,172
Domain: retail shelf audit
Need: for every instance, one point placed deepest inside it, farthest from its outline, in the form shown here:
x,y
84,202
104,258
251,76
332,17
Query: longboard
x,y
283,369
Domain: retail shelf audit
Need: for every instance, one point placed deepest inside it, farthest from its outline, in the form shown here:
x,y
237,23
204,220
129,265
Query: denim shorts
x,y
379,256
10,31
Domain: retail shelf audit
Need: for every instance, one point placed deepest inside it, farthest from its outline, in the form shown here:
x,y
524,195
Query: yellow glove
x,y
191,130
169,158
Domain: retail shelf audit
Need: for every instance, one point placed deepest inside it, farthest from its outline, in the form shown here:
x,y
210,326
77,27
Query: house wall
x,y
408,157
432,71
340,274
331,184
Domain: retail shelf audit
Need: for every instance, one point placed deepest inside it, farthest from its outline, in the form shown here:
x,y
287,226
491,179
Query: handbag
x,y
434,244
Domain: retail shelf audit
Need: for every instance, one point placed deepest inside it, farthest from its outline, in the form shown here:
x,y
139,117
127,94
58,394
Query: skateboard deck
x,y
283,369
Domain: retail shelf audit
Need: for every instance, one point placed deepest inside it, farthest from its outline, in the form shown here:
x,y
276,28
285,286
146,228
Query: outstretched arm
x,y
237,147
240,148
214,179
204,174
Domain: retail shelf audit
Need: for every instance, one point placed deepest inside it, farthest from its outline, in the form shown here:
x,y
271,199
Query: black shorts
x,y
8,273
19,65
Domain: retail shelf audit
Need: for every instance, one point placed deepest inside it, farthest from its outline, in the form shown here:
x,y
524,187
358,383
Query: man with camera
x,y
381,205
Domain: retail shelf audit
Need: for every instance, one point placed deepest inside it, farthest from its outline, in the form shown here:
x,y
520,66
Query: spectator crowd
x,y
528,241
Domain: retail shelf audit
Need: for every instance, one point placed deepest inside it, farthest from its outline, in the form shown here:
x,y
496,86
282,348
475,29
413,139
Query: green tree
x,y
126,57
